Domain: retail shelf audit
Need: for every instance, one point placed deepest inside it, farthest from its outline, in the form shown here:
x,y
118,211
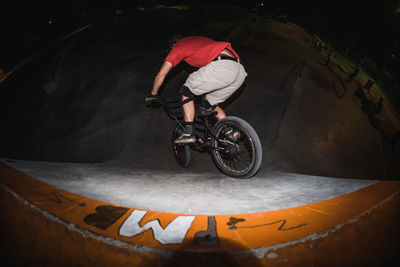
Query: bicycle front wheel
x,y
181,151
237,149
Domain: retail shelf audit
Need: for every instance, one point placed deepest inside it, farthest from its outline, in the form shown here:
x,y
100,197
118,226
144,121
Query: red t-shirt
x,y
197,51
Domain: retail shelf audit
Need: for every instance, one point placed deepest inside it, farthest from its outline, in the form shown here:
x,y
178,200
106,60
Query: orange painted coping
x,y
197,233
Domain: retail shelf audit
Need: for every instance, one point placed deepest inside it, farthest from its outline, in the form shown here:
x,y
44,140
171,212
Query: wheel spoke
x,y
239,150
237,159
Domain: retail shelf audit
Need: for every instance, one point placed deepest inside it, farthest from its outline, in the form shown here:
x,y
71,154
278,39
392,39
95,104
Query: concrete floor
x,y
188,192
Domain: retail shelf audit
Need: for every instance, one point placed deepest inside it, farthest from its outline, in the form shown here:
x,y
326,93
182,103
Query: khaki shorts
x,y
218,80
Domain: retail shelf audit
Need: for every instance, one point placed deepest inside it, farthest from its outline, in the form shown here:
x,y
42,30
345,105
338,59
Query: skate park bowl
x,y
87,175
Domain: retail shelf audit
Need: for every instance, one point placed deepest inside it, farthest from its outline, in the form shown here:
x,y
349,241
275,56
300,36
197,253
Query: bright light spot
x,y
50,21
272,255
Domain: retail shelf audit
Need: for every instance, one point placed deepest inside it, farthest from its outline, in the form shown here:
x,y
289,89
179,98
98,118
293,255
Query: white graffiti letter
x,y
174,232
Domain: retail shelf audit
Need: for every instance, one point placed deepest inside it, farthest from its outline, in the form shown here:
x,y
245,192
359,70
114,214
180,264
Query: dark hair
x,y
173,40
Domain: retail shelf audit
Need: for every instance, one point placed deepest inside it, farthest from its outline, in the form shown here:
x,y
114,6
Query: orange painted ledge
x,y
160,231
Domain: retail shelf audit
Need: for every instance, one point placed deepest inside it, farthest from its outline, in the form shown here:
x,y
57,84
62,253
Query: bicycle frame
x,y
174,112
169,107
217,139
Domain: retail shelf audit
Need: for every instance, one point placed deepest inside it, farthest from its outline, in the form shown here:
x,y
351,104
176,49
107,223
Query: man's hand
x,y
152,98
159,79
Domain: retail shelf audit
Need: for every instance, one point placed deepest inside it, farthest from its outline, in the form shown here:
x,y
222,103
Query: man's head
x,y
173,40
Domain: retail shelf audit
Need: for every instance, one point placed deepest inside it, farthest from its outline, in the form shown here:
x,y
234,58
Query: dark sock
x,y
189,129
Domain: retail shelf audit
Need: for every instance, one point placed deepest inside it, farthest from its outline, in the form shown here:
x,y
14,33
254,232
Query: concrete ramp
x,y
99,185
98,113
51,226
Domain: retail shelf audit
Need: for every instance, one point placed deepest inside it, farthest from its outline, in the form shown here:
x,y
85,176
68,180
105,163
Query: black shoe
x,y
185,138
207,112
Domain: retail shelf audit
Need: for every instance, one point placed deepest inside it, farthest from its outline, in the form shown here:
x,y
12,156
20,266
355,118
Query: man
x,y
219,75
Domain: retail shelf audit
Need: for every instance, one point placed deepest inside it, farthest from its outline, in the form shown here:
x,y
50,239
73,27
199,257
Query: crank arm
x,y
228,142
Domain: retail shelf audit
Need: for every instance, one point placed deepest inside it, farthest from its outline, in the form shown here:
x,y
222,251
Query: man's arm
x,y
158,81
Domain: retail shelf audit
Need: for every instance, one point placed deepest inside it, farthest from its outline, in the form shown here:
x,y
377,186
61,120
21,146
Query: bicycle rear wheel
x,y
181,152
238,151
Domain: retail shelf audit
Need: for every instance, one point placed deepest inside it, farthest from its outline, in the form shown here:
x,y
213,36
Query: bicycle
x,y
236,156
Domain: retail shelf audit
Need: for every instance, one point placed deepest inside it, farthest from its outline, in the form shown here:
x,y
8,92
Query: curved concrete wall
x,y
44,225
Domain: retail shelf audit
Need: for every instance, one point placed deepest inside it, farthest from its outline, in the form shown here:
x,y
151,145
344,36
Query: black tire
x,y
181,152
239,158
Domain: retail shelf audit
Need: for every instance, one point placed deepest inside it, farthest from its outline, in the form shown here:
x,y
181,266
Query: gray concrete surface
x,y
96,114
187,192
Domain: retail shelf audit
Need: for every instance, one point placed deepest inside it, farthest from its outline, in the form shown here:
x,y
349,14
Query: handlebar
x,y
152,98
172,108
170,104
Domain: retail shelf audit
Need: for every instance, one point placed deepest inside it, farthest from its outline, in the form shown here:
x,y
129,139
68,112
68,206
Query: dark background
x,y
368,28
54,107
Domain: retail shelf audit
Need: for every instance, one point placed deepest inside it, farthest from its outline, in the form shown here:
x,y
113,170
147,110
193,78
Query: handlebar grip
x,y
148,99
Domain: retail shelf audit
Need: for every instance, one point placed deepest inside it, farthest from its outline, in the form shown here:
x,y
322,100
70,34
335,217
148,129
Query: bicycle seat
x,y
207,112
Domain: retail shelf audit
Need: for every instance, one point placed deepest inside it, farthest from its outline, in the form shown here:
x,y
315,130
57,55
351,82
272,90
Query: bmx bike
x,y
237,156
